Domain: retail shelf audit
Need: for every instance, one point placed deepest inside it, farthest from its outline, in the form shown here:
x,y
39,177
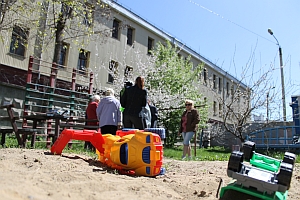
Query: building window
x,y
66,10
205,75
232,92
18,41
220,84
220,110
64,50
112,71
128,72
215,108
214,81
116,27
150,45
83,61
130,32
227,88
238,96
88,16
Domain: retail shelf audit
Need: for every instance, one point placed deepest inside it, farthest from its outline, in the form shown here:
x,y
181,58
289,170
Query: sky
x,y
229,32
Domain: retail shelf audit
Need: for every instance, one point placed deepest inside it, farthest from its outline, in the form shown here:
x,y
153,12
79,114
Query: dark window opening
x,y
130,36
150,45
18,41
63,54
113,67
115,31
83,61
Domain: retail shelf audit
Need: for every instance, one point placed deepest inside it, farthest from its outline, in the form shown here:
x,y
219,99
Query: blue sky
x,y
228,32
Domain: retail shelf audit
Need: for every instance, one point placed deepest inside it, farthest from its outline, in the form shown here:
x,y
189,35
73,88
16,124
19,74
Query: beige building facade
x,y
125,47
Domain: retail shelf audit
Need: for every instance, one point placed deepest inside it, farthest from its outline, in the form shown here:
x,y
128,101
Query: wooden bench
x,y
79,126
79,123
24,132
4,130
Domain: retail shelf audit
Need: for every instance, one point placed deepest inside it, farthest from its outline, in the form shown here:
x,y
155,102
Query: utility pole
x,y
282,78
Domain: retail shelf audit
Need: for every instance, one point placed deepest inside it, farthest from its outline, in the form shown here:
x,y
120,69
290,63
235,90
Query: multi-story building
x,y
126,46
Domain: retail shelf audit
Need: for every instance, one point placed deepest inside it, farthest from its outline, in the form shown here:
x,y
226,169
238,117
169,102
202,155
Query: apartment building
x,y
126,46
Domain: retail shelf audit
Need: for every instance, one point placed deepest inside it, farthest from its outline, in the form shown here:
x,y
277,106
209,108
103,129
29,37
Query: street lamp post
x,y
282,78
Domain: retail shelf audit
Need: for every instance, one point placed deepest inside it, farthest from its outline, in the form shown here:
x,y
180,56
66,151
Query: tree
x,y
17,16
13,11
70,20
242,100
170,80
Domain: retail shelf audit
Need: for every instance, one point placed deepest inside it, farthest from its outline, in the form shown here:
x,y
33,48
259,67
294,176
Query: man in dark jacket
x,y
133,100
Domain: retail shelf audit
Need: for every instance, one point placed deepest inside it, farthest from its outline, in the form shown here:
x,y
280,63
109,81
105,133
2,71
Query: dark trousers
x,y
109,129
133,122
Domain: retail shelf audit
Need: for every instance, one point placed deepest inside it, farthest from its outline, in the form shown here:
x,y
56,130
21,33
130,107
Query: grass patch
x,y
208,154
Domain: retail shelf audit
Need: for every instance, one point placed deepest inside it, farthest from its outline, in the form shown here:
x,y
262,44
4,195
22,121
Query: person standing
x,y
91,110
109,114
133,100
188,125
91,115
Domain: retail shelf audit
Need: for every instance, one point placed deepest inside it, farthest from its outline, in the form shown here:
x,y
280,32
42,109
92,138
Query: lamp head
x,y
270,31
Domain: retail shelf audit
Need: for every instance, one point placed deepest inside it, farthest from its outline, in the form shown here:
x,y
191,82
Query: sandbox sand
x,y
32,174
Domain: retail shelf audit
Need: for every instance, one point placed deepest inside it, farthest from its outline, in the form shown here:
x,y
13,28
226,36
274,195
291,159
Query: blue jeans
x,y
187,136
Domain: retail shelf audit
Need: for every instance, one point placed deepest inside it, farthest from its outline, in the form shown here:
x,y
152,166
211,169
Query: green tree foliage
x,y
72,21
171,81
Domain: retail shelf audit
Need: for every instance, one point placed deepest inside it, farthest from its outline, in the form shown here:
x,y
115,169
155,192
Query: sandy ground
x,y
30,174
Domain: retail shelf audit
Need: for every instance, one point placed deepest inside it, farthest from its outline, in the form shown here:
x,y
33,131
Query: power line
x,y
222,17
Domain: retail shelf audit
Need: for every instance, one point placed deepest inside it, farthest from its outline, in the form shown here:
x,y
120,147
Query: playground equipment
x,y
266,178
132,152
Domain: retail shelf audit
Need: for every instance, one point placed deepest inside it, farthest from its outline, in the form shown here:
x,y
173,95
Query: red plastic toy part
x,y
86,135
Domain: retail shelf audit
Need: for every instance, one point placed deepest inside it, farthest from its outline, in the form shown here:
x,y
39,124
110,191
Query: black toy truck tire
x,y
235,162
284,176
289,158
248,149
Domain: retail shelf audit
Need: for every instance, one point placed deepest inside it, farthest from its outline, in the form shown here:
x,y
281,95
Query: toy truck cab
x,y
138,151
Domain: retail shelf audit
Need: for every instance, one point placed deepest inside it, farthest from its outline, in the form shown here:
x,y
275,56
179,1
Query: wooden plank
x,y
81,120
79,126
5,118
7,106
6,130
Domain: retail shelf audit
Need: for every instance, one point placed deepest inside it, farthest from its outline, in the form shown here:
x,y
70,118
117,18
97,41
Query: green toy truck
x,y
262,177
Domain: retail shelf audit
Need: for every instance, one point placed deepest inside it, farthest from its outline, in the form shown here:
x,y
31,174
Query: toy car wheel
x,y
158,131
248,149
289,158
284,176
235,162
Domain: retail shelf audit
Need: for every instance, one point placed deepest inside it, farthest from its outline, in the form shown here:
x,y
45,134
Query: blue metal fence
x,y
283,137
